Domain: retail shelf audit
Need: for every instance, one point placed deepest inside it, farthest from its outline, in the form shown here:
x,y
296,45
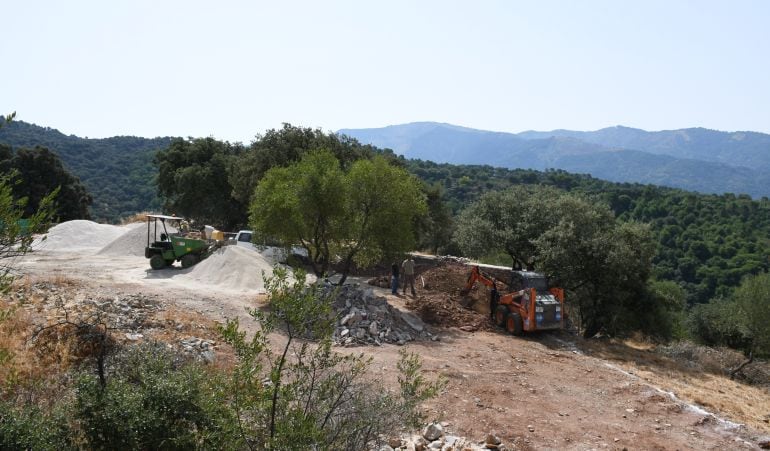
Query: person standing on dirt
x,y
408,268
394,278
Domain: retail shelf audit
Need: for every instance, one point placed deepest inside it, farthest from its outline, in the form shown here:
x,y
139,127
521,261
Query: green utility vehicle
x,y
165,248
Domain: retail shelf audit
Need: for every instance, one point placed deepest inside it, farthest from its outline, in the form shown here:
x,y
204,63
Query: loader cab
x,y
521,280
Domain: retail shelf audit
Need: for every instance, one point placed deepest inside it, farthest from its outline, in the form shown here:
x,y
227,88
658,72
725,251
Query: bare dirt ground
x,y
545,391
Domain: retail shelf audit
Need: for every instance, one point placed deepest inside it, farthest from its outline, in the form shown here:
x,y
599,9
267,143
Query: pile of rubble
x,y
367,319
434,438
125,312
199,348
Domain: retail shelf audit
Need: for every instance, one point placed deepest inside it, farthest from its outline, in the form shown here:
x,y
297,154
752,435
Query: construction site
x,y
512,382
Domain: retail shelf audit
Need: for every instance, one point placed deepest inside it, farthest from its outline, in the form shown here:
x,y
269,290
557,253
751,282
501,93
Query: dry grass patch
x,y
696,375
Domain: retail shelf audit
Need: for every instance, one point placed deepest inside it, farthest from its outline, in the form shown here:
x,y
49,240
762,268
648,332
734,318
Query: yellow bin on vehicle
x,y
218,235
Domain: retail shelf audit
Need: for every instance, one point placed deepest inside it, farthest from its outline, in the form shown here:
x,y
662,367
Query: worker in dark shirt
x,y
394,278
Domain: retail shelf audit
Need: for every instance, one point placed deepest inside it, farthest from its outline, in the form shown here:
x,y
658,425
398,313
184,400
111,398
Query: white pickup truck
x,y
243,238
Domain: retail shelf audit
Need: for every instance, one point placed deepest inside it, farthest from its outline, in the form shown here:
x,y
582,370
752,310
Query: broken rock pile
x,y
367,319
433,437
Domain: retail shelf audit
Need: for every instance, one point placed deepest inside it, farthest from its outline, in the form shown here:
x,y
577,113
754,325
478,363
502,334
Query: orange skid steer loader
x,y
532,307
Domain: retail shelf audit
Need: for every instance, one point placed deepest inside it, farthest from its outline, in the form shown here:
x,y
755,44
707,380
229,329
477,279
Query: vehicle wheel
x,y
189,260
157,262
513,323
501,313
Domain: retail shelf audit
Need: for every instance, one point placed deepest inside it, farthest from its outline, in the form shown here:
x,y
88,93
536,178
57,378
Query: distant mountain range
x,y
695,159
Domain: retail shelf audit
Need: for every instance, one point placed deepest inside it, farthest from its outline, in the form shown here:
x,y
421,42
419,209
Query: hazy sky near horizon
x,y
232,69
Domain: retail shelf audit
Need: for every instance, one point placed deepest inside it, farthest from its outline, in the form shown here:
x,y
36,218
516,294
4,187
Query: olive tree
x,y
509,221
358,216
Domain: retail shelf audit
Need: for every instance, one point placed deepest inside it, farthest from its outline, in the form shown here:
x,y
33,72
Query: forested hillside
x,y
706,243
118,172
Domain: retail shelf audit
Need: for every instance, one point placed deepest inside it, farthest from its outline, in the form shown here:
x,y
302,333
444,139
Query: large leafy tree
x,y
38,172
357,216
285,146
604,263
507,221
193,181
435,229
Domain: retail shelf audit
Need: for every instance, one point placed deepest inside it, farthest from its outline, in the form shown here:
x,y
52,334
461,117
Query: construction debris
x,y
433,437
367,319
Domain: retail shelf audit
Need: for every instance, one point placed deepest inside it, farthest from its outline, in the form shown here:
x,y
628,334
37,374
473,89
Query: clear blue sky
x,y
232,69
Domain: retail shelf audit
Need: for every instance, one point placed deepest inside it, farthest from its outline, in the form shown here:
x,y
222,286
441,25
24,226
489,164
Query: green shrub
x,y
306,396
30,427
718,323
151,400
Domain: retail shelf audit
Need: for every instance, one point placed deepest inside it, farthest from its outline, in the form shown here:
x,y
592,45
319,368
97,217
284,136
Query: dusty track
x,y
546,391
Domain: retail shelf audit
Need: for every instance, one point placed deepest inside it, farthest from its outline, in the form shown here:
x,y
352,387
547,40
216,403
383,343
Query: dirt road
x,y
545,391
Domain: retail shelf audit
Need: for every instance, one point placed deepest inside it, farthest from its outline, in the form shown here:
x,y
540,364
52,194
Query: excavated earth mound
x,y
78,234
441,304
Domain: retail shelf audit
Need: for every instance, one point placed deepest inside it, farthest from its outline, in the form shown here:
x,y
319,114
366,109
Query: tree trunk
x,y
737,369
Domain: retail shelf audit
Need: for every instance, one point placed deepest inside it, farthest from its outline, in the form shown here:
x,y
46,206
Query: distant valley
x,y
696,159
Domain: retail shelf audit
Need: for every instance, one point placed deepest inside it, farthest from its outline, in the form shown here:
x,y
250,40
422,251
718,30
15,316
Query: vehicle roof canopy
x,y
164,217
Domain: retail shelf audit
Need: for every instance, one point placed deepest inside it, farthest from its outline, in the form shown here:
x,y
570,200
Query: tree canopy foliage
x,y
34,174
193,181
284,146
361,215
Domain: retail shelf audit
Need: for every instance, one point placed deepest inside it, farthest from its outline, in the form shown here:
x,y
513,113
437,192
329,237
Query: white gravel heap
x,y
233,267
133,241
79,235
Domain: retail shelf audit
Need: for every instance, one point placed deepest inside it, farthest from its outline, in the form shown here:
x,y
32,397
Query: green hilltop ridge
x,y
118,171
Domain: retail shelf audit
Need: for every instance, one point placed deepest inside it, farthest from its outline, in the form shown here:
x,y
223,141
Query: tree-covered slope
x,y
118,172
706,243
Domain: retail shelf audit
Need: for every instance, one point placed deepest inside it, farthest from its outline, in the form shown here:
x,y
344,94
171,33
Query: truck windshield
x,y
246,237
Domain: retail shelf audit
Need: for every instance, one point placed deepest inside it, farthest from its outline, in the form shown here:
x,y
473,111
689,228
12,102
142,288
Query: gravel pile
x,y
233,267
78,235
132,242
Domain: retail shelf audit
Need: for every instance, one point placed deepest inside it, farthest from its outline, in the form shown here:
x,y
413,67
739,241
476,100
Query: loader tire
x,y
513,324
500,314
189,260
157,262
